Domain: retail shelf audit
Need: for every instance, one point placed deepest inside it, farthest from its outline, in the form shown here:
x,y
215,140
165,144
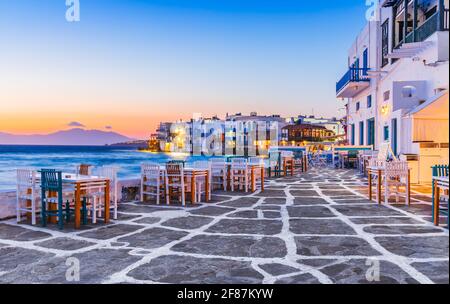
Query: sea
x,y
66,158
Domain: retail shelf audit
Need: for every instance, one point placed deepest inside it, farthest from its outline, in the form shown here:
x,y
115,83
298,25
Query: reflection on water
x,y
66,158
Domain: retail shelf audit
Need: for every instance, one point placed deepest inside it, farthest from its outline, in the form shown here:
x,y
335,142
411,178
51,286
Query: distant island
x,y
138,144
71,137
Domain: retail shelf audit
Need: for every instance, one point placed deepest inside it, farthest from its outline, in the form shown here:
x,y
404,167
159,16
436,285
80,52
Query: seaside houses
x,y
298,134
397,81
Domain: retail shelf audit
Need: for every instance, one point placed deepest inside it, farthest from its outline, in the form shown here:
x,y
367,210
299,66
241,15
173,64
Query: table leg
x,y
207,193
370,184
379,187
253,179
107,201
409,188
262,178
77,206
436,204
193,188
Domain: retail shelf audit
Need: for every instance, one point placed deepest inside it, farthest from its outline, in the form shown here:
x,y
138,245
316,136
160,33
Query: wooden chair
x,y
396,176
440,171
200,180
257,177
239,174
110,173
52,195
84,169
287,162
175,182
219,173
152,182
27,194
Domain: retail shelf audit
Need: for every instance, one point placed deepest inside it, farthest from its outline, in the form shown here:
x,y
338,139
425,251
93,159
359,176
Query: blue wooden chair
x,y
439,171
275,164
51,183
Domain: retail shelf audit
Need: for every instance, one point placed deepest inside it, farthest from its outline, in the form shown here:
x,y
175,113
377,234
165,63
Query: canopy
x,y
430,119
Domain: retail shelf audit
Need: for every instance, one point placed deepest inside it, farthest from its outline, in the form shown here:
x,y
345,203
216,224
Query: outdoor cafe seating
x,y
66,196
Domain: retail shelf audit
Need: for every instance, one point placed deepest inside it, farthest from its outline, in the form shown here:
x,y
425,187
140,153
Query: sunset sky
x,y
129,64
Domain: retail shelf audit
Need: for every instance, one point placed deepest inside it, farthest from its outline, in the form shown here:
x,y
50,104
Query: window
x,y
369,101
386,133
371,131
361,133
358,106
384,43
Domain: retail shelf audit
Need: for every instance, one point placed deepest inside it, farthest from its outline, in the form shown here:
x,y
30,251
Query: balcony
x,y
354,82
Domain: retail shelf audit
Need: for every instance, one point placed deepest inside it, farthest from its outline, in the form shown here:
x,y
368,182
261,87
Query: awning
x,y
430,120
434,108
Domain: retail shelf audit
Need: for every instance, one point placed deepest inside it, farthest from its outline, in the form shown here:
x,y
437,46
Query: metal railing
x,y
352,75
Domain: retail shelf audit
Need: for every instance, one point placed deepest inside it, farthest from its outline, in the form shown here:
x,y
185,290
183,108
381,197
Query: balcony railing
x,y
352,75
427,29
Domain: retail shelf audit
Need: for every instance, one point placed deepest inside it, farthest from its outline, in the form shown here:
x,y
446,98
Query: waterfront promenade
x,y
315,228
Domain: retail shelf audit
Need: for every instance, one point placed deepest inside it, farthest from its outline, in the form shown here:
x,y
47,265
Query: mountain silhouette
x,y
72,137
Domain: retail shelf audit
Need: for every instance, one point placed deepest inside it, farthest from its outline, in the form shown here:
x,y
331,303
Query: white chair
x,y
374,164
152,181
175,182
239,174
396,177
110,172
259,162
200,181
27,191
219,172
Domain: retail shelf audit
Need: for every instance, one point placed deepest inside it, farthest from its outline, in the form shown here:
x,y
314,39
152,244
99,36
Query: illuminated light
x,y
384,109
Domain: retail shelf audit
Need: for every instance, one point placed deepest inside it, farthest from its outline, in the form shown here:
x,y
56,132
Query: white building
x,y
396,85
332,124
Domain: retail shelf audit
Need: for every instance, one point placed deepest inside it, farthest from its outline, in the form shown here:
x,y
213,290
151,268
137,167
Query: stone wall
x,y
7,204
129,190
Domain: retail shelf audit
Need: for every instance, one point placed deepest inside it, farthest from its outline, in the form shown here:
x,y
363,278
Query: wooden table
x,y
193,173
81,183
439,183
378,171
253,169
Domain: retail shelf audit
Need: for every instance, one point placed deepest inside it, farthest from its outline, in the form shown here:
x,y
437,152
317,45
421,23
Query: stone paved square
x,y
305,229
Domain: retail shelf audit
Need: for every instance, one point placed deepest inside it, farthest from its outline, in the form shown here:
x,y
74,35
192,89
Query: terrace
x,y
318,227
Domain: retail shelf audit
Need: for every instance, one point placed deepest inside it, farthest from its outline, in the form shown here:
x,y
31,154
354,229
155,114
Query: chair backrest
x,y
238,163
287,154
353,154
174,169
396,168
51,180
26,177
373,162
440,171
84,169
151,171
255,161
176,161
201,164
109,172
